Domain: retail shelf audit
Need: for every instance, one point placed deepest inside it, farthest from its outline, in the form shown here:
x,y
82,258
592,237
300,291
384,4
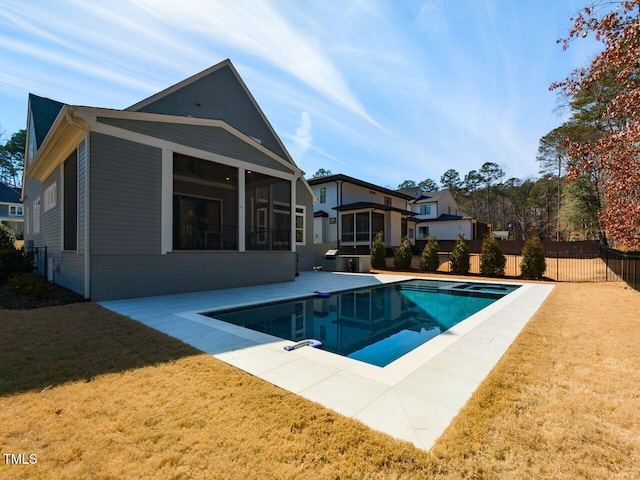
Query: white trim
x,y
303,214
87,215
36,216
292,210
242,211
15,213
166,220
191,151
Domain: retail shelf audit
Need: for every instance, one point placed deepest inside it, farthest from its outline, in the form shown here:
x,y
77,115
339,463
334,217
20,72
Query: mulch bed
x,y
58,296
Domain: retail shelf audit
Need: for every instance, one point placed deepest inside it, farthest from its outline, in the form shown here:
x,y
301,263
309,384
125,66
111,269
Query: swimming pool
x,y
376,325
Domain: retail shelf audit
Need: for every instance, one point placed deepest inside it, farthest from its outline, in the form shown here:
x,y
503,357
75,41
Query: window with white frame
x,y
425,209
323,195
16,210
51,196
36,216
300,235
423,232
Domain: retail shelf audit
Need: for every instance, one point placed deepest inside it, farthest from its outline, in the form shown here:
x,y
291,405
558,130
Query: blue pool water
x,y
377,324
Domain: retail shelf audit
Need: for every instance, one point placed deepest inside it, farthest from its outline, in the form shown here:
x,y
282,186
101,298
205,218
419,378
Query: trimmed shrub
x,y
533,262
378,252
404,255
492,260
30,285
460,256
429,260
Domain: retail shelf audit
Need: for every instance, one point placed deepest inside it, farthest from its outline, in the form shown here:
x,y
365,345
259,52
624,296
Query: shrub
x,y
460,256
533,263
492,260
429,260
404,255
30,285
7,238
378,252
12,260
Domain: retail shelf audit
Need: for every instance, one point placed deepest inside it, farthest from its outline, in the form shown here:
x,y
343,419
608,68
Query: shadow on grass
x,y
50,346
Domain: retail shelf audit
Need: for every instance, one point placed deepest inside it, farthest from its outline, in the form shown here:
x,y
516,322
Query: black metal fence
x,y
624,265
561,267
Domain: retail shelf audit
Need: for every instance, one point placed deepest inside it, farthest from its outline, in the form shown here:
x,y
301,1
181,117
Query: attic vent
x,y
257,140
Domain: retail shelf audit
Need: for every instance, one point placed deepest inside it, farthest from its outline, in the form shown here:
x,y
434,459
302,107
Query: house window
x,y
423,232
332,220
387,201
205,205
323,195
425,209
51,196
15,210
300,237
36,216
411,233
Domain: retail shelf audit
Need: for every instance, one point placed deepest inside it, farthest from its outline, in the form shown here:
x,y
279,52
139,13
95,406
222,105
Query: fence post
x,y
557,267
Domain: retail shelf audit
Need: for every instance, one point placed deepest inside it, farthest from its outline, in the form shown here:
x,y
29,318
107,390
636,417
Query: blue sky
x,y
380,90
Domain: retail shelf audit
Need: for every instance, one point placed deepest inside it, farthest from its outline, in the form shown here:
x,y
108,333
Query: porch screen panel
x,y
377,223
348,227
362,227
268,212
205,205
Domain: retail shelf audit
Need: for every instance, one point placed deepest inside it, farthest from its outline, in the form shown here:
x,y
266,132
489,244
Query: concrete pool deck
x,y
414,398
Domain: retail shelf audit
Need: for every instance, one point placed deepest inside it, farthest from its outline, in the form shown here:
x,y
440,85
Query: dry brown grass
x,y
95,395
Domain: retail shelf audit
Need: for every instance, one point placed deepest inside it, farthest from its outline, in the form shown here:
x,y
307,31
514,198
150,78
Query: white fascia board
x,y
90,114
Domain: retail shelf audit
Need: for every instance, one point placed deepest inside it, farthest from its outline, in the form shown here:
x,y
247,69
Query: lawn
x,y
95,395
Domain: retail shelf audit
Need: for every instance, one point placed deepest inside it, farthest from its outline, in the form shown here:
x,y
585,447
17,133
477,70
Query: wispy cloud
x,y
257,28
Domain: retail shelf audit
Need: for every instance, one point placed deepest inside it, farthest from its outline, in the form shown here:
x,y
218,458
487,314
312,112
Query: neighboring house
x,y
438,215
12,209
190,189
350,212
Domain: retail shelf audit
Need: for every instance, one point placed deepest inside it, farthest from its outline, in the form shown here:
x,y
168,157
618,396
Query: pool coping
x,y
413,398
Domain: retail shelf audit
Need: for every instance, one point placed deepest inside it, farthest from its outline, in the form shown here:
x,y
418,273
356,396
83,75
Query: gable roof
x,y
9,194
217,93
44,112
347,179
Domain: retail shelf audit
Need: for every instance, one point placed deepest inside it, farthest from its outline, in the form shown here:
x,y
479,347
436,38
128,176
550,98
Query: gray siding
x,y
127,276
306,253
70,272
125,193
219,96
210,139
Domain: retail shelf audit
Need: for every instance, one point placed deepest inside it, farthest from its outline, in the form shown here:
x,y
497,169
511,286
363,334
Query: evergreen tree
x,y
378,252
404,255
533,263
460,256
492,260
430,260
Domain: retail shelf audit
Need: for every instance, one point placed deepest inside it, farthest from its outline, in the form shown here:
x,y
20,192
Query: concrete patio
x,y
414,398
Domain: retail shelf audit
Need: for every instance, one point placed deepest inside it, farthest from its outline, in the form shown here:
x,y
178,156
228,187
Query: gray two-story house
x,y
190,189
